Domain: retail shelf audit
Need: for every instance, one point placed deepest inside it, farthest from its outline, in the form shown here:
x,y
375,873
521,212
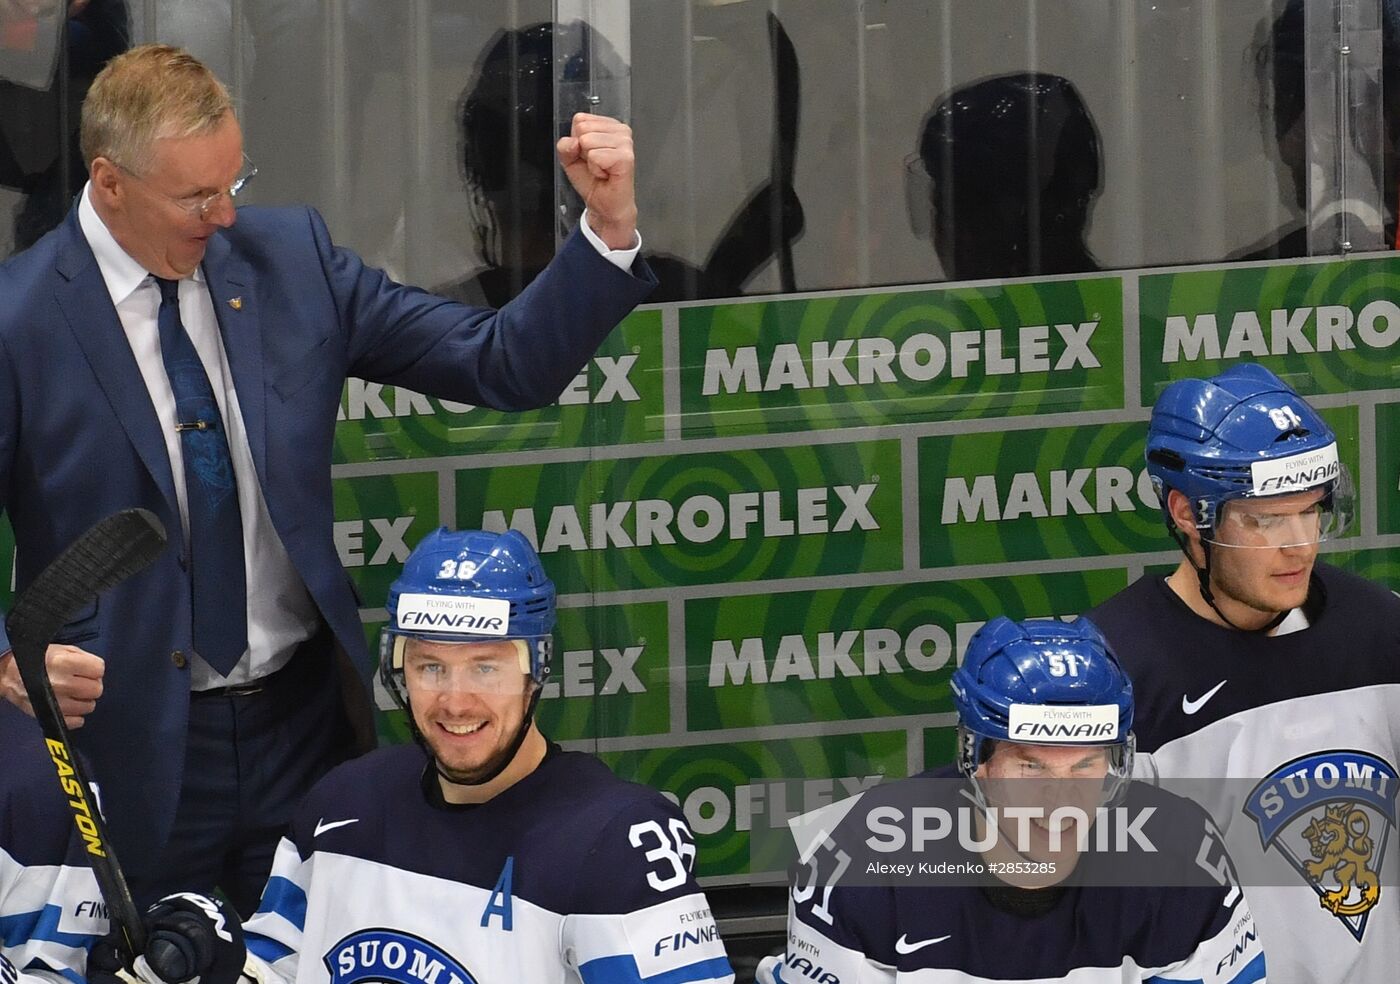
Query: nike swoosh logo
x,y
322,826
1189,706
902,945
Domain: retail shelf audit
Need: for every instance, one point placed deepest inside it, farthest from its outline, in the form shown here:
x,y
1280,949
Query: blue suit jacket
x,y
79,437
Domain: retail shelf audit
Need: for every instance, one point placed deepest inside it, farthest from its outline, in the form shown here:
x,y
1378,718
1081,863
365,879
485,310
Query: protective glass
x,y
918,196
1298,520
471,668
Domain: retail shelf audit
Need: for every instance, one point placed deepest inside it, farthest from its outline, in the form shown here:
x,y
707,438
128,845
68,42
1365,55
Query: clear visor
x,y
500,666
1301,519
1035,775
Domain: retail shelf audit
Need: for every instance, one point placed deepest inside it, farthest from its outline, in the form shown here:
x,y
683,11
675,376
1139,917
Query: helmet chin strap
x,y
1203,579
510,753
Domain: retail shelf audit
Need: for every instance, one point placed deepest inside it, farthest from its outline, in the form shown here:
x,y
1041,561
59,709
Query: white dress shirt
x,y
281,613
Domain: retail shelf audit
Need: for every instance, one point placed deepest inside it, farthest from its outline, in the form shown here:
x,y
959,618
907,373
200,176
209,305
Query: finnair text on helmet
x,y
1296,472
1047,723
1064,732
466,623
453,615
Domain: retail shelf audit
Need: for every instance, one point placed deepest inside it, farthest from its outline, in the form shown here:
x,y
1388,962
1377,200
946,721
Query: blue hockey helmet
x,y
1242,434
1042,682
469,586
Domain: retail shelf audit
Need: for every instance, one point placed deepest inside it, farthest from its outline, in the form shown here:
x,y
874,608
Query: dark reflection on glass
x,y
1280,63
1005,178
39,154
507,138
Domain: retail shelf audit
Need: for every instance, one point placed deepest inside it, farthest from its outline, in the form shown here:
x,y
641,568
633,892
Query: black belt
x,y
302,664
237,689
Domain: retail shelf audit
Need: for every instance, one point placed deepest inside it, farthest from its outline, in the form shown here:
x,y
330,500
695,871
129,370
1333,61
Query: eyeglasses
x,y
200,208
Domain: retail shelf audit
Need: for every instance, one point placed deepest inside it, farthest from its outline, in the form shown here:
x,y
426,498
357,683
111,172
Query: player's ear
x,y
1179,508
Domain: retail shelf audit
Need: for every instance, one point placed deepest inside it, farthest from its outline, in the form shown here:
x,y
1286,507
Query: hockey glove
x,y
188,938
194,938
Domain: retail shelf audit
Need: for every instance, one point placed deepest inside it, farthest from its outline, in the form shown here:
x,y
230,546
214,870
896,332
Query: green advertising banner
x,y
1041,494
1381,566
900,356
854,653
379,519
609,676
940,747
1387,453
616,400
728,791
1330,327
678,520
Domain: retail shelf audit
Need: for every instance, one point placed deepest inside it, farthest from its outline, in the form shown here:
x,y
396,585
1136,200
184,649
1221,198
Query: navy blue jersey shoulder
x,y
1157,920
1174,655
36,827
576,836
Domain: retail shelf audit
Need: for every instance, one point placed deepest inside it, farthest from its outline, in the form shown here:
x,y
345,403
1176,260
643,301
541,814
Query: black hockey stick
x,y
109,553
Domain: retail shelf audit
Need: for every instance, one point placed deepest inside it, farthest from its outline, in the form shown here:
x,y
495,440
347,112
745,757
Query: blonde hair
x,y
146,94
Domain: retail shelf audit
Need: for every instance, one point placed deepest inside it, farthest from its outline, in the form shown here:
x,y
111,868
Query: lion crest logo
x,y
1330,815
1341,846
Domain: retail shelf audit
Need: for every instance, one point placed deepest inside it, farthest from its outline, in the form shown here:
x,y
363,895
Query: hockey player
x,y
494,857
1257,662
51,910
1079,923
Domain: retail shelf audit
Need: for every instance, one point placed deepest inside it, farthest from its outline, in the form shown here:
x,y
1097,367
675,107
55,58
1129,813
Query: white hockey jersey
x,y
571,874
51,910
1307,727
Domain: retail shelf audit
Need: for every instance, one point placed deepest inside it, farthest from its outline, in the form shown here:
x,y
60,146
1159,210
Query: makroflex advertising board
x,y
884,358
1325,327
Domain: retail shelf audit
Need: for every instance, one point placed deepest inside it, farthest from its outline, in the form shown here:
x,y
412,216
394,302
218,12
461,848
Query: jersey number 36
x,y
677,852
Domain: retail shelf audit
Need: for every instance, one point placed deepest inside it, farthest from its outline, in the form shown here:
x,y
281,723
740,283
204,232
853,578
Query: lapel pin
x,y
236,303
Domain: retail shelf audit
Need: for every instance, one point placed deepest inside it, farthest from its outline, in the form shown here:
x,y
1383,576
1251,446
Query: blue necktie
x,y
217,579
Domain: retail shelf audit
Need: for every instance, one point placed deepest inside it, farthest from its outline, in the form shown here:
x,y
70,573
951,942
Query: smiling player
x,y
494,857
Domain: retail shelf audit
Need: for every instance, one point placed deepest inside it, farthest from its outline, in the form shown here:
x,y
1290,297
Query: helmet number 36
x,y
463,570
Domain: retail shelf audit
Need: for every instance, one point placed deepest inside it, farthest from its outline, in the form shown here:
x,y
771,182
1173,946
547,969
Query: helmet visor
x,y
1048,777
495,667
1297,519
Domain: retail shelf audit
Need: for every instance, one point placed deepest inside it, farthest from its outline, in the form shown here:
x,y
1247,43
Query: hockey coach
x,y
163,349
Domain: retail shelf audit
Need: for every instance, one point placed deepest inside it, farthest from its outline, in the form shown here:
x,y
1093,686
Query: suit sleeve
x,y
9,421
638,915
518,358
